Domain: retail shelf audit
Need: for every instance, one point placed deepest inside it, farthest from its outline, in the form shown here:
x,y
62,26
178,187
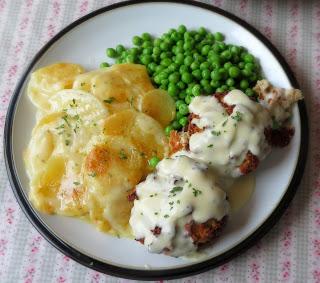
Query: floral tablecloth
x,y
290,252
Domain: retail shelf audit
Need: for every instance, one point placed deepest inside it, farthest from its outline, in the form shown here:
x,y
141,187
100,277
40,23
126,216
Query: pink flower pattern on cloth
x,y
291,250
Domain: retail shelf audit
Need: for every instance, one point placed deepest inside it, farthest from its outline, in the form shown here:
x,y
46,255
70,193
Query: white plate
x,y
84,42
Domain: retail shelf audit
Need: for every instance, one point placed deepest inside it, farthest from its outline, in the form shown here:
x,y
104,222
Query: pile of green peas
x,y
188,63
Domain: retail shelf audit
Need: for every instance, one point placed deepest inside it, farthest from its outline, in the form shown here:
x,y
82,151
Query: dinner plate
x,y
84,42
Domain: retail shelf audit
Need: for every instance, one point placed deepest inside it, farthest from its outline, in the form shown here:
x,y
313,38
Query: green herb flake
x,y
166,216
216,133
65,118
176,189
196,192
275,124
76,183
93,174
67,142
109,100
82,84
156,213
237,117
123,155
210,145
224,123
178,201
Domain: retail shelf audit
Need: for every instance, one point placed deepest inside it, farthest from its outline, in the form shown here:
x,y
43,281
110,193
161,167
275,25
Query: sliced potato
x,y
159,105
46,81
145,133
121,86
111,170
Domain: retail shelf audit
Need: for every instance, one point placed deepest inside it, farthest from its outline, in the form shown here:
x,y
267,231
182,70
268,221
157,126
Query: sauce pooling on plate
x,y
179,192
225,139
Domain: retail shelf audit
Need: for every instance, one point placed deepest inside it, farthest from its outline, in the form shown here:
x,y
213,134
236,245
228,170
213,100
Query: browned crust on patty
x,y
279,137
249,164
220,97
205,233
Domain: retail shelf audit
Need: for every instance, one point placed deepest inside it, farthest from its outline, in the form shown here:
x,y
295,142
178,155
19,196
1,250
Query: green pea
x,y
247,73
152,66
183,121
205,74
188,60
119,61
215,75
160,68
218,36
164,82
249,66
164,46
163,55
198,57
178,103
215,84
166,62
146,59
157,42
183,94
234,72
147,51
222,46
183,69
136,40
223,73
196,90
175,36
179,59
226,55
205,50
219,89
154,161
104,65
224,87
216,48
248,58
131,59
181,85
187,35
235,49
176,125
168,129
146,36
204,82
174,77
241,65
157,79
186,77
197,37
111,53
179,115
188,99
230,82
227,65
120,48
244,84
146,44
183,109
205,66
194,65
182,29
172,89
188,45
208,89
173,67
249,92
197,74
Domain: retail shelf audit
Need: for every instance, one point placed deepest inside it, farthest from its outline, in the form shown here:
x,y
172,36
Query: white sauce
x,y
225,140
180,190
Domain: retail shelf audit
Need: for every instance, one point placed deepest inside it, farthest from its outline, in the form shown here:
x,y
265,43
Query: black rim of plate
x,y
163,273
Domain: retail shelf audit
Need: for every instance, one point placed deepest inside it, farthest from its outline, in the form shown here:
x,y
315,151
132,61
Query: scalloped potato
x,y
90,145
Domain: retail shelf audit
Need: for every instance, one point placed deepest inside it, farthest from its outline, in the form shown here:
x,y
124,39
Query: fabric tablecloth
x,y
290,252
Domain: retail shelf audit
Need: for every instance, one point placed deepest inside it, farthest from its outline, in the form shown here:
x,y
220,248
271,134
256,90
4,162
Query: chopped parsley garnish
x,y
93,174
82,84
178,201
275,124
196,192
216,133
76,183
109,100
237,117
171,202
65,118
224,123
210,145
166,216
60,127
123,155
176,189
151,196
156,213
67,142
73,104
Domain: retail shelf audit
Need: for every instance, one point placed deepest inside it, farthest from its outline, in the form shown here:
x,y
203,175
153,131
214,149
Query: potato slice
x,y
120,86
159,105
48,80
111,170
145,133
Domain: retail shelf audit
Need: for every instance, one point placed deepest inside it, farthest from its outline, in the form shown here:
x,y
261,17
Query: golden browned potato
x,y
111,170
